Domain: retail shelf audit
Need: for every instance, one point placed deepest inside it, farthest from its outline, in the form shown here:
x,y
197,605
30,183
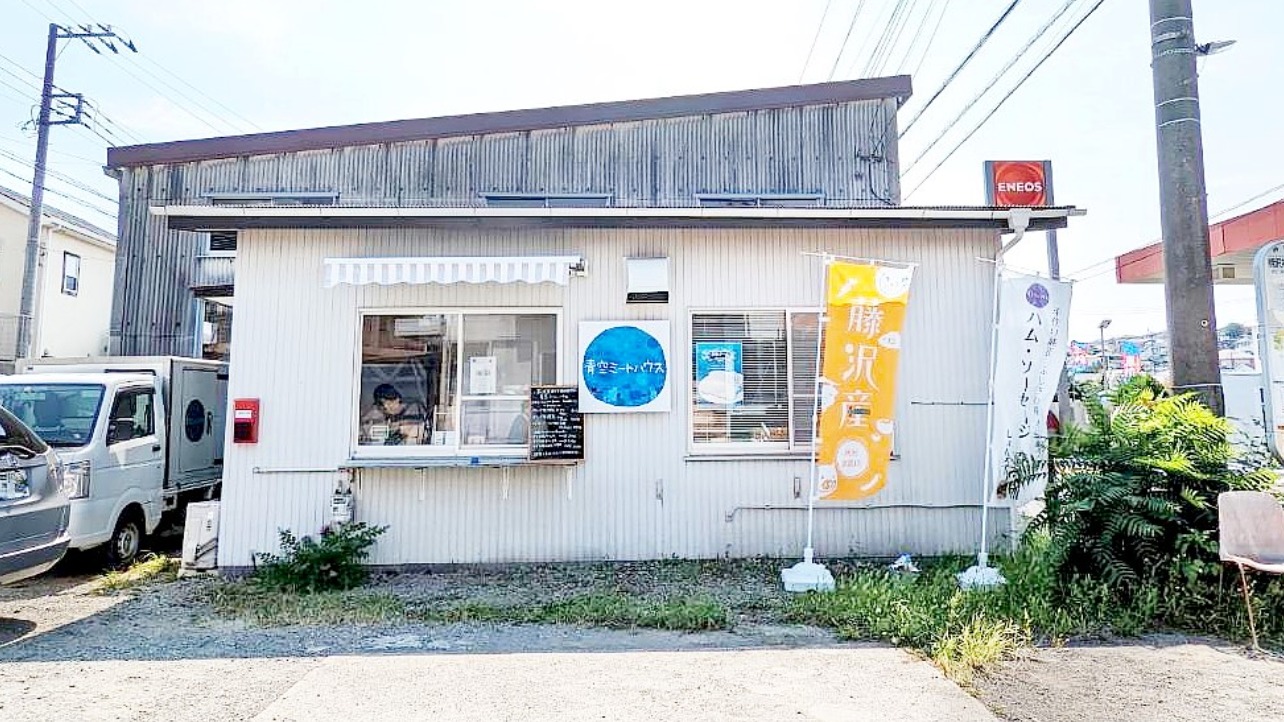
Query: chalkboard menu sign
x,y
557,427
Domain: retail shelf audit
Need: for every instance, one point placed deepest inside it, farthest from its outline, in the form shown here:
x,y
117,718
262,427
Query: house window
x,y
452,383
70,274
753,380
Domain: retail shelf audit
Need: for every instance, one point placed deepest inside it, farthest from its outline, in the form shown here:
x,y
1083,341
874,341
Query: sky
x,y
234,66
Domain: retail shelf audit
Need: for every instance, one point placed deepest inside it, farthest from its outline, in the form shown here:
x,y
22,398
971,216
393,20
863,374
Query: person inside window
x,y
393,420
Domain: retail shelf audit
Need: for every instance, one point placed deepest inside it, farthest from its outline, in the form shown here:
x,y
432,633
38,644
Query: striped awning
x,y
456,269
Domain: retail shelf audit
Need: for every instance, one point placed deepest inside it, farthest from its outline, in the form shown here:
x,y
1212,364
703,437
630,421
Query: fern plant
x,y
1132,496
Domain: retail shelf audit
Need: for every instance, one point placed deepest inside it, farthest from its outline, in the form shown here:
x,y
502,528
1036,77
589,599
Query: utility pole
x,y
1188,272
30,272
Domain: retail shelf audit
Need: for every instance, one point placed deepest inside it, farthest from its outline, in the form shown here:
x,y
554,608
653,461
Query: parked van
x,y
137,437
33,508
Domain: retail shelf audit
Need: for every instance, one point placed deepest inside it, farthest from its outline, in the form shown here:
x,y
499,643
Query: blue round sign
x,y
624,366
194,421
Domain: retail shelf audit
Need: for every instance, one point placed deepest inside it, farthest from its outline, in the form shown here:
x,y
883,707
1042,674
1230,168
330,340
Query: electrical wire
x,y
846,38
78,185
1010,93
20,143
816,39
1109,262
918,34
931,39
967,59
891,37
53,191
1038,35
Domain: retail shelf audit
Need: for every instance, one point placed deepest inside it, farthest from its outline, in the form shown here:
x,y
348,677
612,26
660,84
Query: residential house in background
x,y
73,297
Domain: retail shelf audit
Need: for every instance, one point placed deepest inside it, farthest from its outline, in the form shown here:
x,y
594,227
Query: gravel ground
x,y
1162,678
60,643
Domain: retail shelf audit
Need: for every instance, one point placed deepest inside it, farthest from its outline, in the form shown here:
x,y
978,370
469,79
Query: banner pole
x,y
815,411
981,574
808,575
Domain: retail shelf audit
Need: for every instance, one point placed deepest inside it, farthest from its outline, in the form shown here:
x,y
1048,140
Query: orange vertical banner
x,y
865,310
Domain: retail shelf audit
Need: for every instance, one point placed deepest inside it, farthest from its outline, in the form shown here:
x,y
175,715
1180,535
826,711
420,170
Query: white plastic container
x,y
200,536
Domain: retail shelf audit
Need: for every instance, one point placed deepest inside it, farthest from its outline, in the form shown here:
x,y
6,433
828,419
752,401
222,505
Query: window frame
x,y
67,256
210,252
460,451
120,394
749,449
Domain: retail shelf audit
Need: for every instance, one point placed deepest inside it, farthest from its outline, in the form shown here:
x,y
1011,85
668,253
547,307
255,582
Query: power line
x,y
60,176
843,48
945,7
816,39
1220,213
78,201
890,37
971,54
993,82
23,144
1010,93
919,35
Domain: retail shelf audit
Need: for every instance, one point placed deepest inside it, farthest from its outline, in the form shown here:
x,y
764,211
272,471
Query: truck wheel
x,y
125,541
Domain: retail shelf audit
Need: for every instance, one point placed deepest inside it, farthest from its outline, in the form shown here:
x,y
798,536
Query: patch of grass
x,y
257,604
967,631
155,569
622,611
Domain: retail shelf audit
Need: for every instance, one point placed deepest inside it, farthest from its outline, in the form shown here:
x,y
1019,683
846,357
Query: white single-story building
x,y
392,346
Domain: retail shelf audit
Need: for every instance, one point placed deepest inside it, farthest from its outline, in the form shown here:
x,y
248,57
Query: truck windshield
x,y
61,414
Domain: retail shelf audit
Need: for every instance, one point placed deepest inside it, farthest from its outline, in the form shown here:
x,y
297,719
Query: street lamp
x,y
1105,358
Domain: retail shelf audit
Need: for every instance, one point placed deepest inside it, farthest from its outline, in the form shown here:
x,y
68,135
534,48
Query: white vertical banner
x,y
1029,354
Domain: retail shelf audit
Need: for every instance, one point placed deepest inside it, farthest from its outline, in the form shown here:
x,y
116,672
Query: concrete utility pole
x,y
76,107
1188,272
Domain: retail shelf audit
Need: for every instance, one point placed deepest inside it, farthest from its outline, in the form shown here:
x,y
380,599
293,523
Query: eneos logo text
x,y
1017,183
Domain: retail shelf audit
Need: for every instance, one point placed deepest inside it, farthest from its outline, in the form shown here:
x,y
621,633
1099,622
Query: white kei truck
x,y
138,437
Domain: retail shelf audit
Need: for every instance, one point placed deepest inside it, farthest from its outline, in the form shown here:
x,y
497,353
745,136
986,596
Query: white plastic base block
x,y
980,577
807,576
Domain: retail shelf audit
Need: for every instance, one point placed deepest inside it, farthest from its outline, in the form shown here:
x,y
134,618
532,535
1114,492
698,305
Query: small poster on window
x,y
720,379
481,375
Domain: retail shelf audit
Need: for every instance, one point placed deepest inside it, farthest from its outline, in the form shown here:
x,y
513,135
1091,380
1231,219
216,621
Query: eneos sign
x,y
1018,183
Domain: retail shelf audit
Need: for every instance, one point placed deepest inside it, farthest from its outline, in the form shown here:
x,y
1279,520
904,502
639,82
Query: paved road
x,y
848,683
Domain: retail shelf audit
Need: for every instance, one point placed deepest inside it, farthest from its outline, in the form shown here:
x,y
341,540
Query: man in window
x,y
393,420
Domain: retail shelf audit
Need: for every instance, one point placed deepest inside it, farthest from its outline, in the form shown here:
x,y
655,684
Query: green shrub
x,y
332,561
1132,497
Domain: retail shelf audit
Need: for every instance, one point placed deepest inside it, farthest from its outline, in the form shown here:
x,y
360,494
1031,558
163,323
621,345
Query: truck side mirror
x,y
120,430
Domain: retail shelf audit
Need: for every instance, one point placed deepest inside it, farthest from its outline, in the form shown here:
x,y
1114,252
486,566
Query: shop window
x,y
452,383
70,274
753,380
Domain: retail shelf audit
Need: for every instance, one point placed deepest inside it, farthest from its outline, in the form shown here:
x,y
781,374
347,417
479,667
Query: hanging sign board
x,y
1268,280
1030,351
865,310
557,427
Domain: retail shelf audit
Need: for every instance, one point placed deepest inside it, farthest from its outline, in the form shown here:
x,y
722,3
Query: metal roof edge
x,y
510,121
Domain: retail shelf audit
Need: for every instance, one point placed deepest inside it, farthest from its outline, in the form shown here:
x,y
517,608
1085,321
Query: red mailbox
x,y
245,421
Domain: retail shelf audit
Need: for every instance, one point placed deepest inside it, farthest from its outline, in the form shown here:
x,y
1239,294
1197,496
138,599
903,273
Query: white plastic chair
x,y
1251,526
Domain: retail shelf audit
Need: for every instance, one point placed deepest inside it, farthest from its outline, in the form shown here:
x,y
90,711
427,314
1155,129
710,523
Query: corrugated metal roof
x,y
397,131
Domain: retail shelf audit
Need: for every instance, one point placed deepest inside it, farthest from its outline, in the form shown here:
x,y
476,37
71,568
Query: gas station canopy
x,y
1231,244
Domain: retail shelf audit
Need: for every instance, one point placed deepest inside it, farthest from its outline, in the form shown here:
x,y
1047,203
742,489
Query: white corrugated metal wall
x,y
638,495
